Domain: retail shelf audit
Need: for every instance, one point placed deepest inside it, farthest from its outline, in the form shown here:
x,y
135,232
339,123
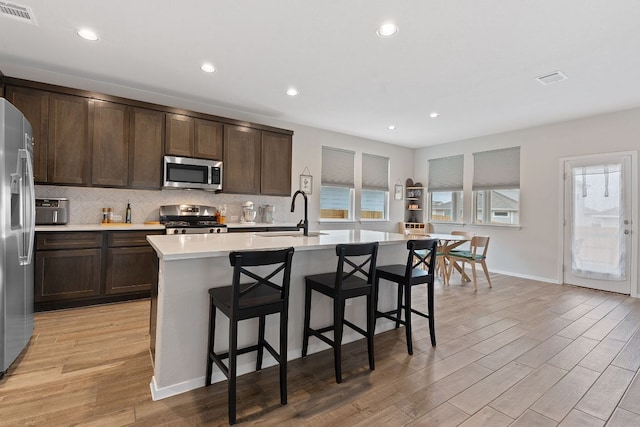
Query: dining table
x,y
447,243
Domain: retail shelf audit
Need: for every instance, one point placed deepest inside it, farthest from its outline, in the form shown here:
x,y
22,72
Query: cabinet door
x,y
68,148
145,148
110,143
34,104
241,160
67,274
180,131
129,269
275,170
208,140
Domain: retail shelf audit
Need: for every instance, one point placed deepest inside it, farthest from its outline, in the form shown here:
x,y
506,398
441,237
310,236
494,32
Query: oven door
x,y
185,172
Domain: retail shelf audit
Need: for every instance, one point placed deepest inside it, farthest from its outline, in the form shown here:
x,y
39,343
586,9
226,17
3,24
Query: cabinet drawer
x,y
71,240
130,238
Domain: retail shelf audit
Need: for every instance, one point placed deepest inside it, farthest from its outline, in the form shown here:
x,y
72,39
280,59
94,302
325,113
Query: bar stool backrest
x,y
422,255
360,258
249,294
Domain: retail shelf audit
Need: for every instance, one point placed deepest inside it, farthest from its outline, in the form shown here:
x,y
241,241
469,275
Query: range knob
x,y
176,231
211,230
184,231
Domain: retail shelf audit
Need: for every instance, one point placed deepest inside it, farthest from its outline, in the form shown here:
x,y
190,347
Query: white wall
x,y
534,249
307,152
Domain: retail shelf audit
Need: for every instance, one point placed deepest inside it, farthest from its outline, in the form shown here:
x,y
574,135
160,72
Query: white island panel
x,y
190,265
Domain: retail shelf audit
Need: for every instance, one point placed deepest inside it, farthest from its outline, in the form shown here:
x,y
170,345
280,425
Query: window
x,y
337,185
496,187
375,187
445,189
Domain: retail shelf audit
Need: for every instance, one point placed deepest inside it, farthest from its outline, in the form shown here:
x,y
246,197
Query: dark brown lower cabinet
x,y
67,274
76,269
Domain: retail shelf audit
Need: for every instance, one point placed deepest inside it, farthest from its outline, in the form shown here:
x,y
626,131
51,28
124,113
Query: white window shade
x,y
337,167
445,174
375,172
497,169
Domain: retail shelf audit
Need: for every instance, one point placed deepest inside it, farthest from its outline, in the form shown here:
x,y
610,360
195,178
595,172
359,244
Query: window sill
x,y
506,226
462,224
373,220
338,221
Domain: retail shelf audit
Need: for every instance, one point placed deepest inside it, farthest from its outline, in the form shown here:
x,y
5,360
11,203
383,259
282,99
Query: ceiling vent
x,y
552,78
17,12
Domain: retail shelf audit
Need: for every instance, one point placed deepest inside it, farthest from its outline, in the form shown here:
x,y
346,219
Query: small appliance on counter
x,y
266,213
248,213
52,211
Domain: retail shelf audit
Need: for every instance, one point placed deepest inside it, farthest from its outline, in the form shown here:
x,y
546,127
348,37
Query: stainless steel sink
x,y
290,234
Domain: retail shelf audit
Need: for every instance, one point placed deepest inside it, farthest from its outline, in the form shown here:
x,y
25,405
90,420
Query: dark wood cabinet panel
x,y
130,238
145,148
67,274
68,150
34,104
129,269
71,240
241,160
275,170
208,139
179,135
109,123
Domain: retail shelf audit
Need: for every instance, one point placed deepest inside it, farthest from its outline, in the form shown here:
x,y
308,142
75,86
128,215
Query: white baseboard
x,y
527,276
164,392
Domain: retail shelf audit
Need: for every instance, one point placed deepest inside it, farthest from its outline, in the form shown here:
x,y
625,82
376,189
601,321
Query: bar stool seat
x,y
340,286
419,270
261,297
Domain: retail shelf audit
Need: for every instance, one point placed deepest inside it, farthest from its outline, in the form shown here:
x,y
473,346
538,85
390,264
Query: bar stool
x,y
243,301
342,285
419,270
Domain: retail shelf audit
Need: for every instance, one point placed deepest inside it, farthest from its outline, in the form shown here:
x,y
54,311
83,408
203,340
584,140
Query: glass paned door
x,y
597,232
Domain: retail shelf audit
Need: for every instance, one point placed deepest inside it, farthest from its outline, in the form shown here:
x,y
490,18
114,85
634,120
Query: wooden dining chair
x,y
476,254
462,247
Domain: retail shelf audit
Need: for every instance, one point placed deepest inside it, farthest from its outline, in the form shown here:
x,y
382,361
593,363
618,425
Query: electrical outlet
x,y
234,218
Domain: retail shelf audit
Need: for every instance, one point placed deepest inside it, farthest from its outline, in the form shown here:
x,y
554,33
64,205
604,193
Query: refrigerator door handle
x,y
29,220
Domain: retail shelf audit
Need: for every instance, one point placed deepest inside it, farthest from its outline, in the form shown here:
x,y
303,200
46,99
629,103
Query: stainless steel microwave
x,y
187,172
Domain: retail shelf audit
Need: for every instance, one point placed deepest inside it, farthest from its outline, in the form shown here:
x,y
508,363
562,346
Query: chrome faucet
x,y
304,224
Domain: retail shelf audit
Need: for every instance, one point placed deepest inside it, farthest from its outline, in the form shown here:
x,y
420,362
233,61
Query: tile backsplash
x,y
86,203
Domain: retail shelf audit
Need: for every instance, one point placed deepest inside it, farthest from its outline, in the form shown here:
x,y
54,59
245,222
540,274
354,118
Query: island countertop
x,y
189,265
193,246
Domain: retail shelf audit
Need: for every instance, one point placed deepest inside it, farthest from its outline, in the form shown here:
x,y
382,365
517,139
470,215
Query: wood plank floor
x,y
524,353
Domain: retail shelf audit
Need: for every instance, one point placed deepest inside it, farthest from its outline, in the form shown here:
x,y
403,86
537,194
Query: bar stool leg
x,y
211,341
307,316
407,316
233,355
371,315
399,309
261,323
338,314
432,319
284,320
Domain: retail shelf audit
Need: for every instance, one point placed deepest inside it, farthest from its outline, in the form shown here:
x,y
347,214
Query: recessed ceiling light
x,y
208,68
387,30
292,91
434,115
88,34
391,127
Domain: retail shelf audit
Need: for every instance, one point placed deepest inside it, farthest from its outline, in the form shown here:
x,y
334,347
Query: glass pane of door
x,y
597,233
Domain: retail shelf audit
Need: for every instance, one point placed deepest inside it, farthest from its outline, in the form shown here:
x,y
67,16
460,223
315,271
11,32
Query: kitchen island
x,y
188,265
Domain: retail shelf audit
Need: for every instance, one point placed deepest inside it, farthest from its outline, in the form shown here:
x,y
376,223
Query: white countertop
x,y
260,224
192,246
99,227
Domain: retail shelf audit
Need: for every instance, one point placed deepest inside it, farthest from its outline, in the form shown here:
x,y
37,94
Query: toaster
x,y
52,211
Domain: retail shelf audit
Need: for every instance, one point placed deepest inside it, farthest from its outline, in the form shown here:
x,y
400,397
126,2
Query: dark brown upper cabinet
x,y
275,169
68,148
241,160
109,124
145,148
180,132
190,137
208,139
34,104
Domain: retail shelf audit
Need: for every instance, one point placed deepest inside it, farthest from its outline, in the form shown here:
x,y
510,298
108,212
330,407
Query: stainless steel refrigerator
x,y
17,229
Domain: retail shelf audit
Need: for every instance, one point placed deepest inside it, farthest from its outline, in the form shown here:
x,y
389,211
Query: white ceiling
x,y
474,62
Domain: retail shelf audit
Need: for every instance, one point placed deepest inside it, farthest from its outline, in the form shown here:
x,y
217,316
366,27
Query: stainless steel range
x,y
190,219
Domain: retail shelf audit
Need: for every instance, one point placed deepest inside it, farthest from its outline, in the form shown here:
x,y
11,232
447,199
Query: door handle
x,y
627,232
